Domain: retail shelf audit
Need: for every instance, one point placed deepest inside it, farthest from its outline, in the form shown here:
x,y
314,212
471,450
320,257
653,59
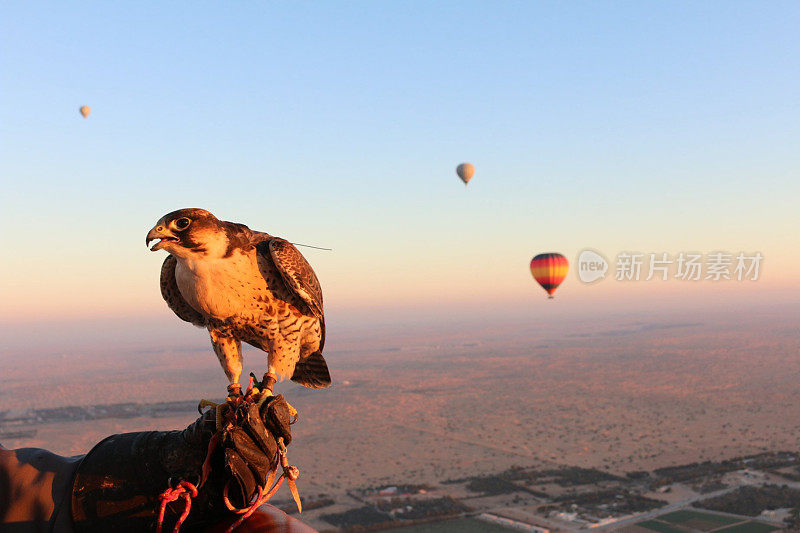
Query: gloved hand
x,y
251,444
120,483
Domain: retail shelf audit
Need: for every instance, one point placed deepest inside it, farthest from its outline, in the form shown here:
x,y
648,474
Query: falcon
x,y
244,286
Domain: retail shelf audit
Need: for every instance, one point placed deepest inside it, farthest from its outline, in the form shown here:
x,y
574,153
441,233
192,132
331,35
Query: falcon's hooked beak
x,y
163,234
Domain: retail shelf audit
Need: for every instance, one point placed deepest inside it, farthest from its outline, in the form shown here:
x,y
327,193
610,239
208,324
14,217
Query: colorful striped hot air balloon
x,y
549,270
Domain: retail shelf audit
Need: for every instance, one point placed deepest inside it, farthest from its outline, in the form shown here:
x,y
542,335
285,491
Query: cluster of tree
x,y
401,489
317,503
711,485
752,501
416,509
793,520
636,503
362,517
567,476
610,500
491,485
94,412
676,474
387,513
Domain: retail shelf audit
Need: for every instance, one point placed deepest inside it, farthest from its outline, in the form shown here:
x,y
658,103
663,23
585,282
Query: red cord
x,y
184,489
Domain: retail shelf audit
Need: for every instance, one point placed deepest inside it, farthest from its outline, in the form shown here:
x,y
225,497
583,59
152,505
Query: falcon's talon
x,y
269,381
234,392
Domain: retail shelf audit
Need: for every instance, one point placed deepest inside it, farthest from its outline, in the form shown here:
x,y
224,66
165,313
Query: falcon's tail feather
x,y
312,372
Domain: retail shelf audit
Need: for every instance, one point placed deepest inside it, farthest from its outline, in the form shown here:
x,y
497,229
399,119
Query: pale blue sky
x,y
613,125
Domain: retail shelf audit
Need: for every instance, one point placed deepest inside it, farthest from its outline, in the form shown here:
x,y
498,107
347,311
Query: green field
x,y
457,525
661,527
679,517
686,520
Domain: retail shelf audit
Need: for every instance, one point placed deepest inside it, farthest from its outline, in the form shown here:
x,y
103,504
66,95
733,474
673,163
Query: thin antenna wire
x,y
315,247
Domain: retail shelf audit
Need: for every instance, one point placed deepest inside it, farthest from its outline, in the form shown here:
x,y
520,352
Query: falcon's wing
x,y
296,272
172,295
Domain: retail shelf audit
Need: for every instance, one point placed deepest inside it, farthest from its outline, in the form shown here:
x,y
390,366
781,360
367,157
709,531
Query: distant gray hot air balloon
x,y
465,171
85,110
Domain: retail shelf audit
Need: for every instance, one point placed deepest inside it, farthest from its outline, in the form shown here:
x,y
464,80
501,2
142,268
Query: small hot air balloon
x,y
85,110
465,171
549,270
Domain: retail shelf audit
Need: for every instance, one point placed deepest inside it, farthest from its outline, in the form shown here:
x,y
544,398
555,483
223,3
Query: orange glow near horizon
x,y
103,296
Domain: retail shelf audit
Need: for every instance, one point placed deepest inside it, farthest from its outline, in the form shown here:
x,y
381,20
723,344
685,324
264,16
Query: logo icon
x,y
591,266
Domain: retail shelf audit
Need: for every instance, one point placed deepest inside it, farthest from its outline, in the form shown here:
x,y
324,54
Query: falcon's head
x,y
189,233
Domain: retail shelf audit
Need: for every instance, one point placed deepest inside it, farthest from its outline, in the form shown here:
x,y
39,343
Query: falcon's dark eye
x,y
182,223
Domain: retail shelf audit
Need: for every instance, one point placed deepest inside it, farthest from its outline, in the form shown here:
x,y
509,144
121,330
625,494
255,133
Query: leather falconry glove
x,y
218,463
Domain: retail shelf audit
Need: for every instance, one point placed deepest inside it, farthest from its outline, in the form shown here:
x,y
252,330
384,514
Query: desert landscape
x,y
423,407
